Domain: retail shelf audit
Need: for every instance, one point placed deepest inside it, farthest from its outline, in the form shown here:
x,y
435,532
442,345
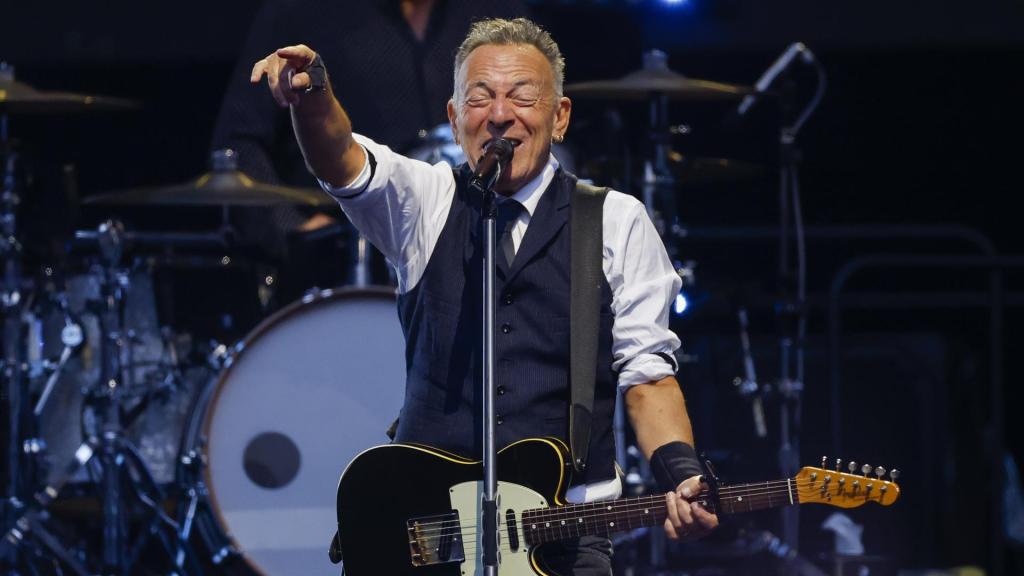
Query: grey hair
x,y
510,33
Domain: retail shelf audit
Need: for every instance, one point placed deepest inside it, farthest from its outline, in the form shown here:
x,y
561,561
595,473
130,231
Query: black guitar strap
x,y
587,247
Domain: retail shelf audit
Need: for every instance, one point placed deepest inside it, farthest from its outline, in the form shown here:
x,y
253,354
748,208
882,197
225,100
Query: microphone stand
x,y
489,502
792,311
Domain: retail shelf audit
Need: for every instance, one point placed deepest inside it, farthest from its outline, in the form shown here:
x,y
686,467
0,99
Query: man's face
x,y
508,92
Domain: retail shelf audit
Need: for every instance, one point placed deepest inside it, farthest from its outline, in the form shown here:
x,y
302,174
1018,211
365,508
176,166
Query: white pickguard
x,y
466,498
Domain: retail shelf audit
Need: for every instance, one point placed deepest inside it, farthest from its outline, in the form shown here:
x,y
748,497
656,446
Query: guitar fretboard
x,y
542,525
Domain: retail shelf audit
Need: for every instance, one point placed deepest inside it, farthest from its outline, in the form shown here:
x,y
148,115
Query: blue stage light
x,y
681,304
675,2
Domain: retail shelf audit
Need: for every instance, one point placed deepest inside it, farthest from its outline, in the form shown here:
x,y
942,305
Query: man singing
x,y
426,221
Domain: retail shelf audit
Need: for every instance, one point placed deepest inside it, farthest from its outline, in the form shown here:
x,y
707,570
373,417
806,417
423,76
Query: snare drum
x,y
310,388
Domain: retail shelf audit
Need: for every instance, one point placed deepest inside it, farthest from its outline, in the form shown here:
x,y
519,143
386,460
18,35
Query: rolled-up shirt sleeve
x,y
644,285
400,205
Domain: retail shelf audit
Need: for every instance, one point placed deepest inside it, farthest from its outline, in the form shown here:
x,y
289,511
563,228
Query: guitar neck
x,y
542,525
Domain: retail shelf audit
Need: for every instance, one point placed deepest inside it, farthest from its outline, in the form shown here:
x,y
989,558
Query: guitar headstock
x,y
846,490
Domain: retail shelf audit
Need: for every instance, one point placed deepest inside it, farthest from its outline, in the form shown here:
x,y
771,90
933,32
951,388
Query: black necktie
x,y
508,212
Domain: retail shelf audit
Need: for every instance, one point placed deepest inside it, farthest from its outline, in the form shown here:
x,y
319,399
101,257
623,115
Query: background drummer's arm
x,y
321,125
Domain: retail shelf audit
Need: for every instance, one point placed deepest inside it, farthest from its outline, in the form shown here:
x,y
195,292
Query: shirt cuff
x,y
644,369
355,187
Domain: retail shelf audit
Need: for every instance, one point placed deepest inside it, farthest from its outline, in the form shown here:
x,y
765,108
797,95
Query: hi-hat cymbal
x,y
655,78
20,98
225,185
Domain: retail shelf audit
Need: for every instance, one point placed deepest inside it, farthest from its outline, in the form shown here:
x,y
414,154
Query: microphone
x,y
777,68
490,165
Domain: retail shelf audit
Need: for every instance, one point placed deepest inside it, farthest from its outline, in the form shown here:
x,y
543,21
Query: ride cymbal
x,y
655,78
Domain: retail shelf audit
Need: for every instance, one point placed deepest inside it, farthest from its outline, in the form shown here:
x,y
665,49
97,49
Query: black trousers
x,y
588,556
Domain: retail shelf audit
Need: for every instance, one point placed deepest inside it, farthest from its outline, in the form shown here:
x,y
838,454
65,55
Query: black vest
x,y
441,319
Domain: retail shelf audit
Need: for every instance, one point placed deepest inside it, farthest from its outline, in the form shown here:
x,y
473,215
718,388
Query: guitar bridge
x,y
435,539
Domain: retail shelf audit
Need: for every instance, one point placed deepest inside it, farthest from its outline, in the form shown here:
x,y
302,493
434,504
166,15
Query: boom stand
x,y
792,308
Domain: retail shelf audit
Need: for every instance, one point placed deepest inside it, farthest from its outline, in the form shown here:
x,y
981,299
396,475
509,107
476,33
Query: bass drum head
x,y
310,388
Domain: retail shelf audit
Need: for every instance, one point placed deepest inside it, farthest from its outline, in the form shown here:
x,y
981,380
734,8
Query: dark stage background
x,y
913,151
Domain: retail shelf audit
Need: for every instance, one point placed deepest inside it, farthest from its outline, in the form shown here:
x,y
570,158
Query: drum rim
x,y
311,299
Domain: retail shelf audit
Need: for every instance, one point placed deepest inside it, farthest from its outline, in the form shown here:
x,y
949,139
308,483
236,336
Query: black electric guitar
x,y
412,510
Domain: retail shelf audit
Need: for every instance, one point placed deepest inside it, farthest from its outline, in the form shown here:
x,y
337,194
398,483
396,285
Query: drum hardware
x,y
223,186
747,386
22,447
124,478
15,383
657,84
656,79
21,99
116,454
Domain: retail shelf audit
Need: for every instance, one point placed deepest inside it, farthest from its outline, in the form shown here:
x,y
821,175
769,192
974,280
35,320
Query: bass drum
x,y
310,388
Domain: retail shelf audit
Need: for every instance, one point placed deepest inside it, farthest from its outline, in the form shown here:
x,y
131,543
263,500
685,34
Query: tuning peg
x,y
838,464
894,474
852,466
880,471
824,461
865,469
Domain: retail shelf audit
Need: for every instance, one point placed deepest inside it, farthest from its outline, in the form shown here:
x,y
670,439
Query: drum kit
x,y
183,455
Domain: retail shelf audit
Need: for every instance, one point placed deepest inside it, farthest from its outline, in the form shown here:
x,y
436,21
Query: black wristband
x,y
317,75
674,462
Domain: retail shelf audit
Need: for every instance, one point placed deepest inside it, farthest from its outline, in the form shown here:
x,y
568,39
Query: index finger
x,y
300,52
691,487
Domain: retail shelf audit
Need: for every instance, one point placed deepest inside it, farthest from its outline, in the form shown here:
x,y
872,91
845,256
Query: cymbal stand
x,y
658,182
792,310
118,458
15,392
23,537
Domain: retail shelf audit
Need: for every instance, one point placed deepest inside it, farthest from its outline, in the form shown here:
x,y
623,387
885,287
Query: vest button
x,y
508,299
499,420
501,390
506,328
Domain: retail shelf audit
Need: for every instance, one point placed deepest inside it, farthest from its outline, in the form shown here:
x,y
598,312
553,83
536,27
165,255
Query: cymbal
x,y
20,98
687,170
225,185
656,78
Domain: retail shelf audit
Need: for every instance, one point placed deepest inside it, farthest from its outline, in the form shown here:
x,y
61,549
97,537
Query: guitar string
x,y
726,492
557,514
630,505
